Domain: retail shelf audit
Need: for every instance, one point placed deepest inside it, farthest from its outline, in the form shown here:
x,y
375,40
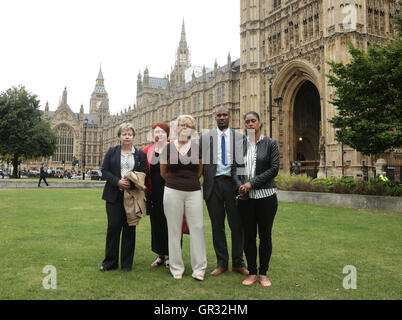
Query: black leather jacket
x,y
267,166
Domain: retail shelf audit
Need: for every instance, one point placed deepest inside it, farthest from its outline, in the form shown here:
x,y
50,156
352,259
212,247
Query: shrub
x,y
373,186
322,185
344,185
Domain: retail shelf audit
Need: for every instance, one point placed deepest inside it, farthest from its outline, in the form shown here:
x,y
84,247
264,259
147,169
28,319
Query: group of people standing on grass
x,y
238,183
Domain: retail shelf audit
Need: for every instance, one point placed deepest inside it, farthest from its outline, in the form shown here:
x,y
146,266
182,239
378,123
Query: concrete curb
x,y
355,201
52,184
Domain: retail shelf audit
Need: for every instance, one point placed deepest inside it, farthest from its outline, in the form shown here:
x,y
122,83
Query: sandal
x,y
158,262
264,281
250,280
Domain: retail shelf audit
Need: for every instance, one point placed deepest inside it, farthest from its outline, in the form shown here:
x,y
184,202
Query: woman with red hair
x,y
155,186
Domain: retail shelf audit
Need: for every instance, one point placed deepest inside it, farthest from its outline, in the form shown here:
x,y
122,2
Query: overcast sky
x,y
47,45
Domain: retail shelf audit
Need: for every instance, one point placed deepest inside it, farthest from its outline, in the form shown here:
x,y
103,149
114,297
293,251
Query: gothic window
x,y
210,100
277,3
218,95
223,94
317,24
65,144
179,109
199,102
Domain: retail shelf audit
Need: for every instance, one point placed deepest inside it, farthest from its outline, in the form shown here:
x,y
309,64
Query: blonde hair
x,y
126,126
184,118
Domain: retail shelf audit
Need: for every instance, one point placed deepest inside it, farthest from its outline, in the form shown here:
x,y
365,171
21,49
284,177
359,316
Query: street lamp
x,y
85,147
270,75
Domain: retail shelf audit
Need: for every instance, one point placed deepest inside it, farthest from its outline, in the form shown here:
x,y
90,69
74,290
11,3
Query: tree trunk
x,y
15,166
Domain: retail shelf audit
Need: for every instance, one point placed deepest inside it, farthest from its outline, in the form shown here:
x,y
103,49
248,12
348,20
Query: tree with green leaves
x,y
368,97
23,132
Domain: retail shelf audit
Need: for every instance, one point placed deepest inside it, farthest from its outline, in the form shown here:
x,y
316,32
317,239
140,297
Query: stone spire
x,y
64,99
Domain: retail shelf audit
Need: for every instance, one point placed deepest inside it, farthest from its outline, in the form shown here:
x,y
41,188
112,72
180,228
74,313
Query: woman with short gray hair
x,y
118,161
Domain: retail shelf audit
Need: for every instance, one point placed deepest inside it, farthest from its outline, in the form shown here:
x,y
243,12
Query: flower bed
x,y
374,186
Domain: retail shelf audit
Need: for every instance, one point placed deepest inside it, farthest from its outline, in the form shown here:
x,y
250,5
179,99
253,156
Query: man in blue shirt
x,y
218,147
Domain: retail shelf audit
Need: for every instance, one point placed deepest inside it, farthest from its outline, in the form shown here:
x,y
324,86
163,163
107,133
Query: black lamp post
x,y
85,147
270,75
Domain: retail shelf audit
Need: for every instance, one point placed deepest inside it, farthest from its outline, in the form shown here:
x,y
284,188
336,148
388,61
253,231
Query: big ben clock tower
x,y
99,97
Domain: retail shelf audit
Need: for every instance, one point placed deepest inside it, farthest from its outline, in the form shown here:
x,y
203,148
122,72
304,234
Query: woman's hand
x,y
124,184
245,188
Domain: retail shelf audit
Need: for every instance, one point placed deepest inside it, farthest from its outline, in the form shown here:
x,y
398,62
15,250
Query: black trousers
x,y
258,214
116,223
159,231
221,201
44,180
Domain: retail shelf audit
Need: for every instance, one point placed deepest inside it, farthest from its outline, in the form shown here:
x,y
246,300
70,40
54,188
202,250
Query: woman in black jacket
x,y
119,160
257,201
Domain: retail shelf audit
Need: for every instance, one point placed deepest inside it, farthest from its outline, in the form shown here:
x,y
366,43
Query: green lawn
x,y
311,245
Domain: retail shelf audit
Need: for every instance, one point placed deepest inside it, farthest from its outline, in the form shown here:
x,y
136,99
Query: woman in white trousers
x,y
181,167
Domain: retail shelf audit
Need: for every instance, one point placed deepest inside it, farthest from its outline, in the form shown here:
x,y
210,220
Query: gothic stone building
x,y
291,38
187,90
295,39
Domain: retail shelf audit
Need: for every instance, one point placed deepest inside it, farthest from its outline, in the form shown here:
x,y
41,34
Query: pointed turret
x,y
99,95
64,99
100,74
183,33
229,63
182,60
139,83
146,77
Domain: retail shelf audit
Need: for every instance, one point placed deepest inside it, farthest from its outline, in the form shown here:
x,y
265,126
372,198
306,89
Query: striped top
x,y
250,160
127,162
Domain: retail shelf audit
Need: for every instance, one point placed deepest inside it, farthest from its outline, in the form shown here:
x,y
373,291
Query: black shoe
x,y
103,268
126,269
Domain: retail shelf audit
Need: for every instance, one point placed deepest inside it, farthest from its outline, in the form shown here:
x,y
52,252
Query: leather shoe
x,y
126,269
219,270
103,268
241,270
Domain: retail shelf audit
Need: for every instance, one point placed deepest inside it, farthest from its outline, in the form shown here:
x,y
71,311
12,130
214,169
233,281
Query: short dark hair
x,y
253,113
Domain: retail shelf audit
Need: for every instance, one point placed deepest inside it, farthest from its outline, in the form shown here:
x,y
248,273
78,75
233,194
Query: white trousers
x,y
176,203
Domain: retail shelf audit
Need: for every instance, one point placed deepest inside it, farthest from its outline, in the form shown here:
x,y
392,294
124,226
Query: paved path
x,y
61,183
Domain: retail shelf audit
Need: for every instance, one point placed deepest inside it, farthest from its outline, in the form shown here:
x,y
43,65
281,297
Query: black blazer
x,y
209,145
111,170
267,166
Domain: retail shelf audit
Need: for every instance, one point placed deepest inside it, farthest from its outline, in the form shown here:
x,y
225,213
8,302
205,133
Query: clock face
x,y
182,57
98,103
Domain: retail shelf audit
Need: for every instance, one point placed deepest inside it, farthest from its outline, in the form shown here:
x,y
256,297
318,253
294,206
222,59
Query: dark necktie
x,y
223,147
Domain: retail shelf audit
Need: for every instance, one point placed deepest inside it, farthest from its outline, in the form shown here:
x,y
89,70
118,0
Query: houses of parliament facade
x,y
284,47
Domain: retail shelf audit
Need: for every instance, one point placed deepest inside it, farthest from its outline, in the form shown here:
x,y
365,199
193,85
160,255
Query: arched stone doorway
x,y
298,130
306,128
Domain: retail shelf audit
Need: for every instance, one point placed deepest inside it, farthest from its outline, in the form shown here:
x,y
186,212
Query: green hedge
x,y
374,186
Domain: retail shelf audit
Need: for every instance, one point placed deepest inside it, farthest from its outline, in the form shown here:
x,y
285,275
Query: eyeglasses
x,y
184,125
